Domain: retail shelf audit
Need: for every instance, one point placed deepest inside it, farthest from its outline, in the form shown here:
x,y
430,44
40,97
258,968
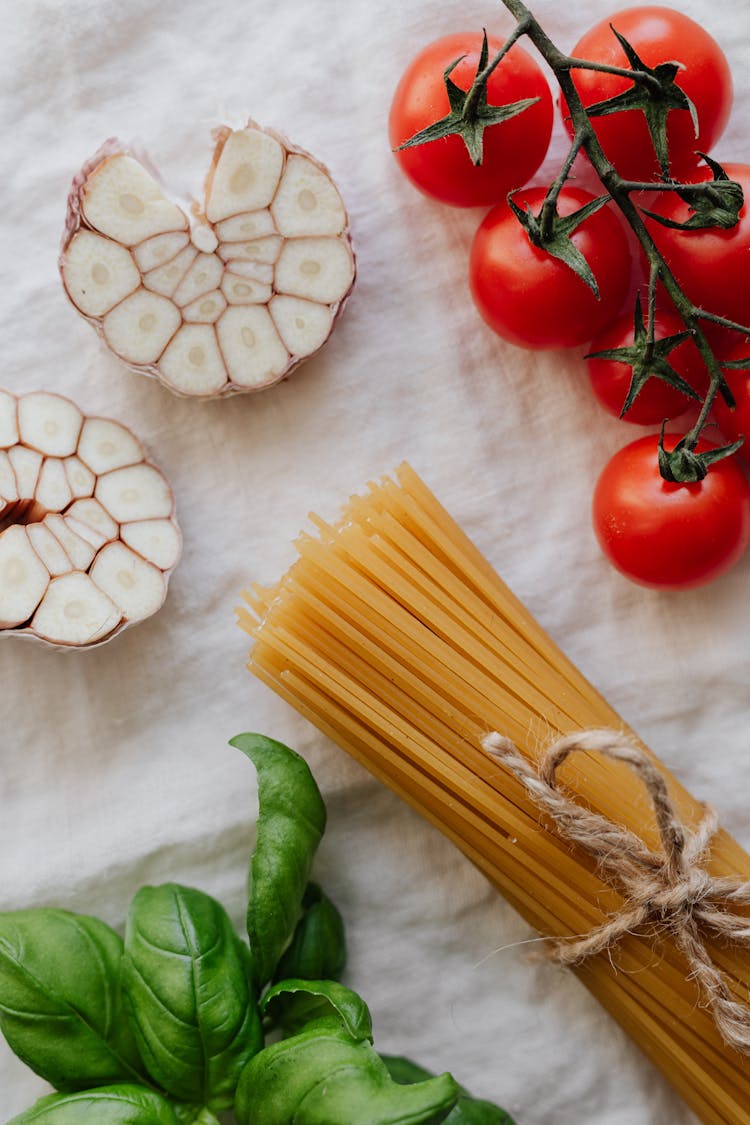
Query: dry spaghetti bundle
x,y
396,638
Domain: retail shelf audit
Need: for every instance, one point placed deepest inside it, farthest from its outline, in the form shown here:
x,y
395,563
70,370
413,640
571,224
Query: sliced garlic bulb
x,y
88,536
178,296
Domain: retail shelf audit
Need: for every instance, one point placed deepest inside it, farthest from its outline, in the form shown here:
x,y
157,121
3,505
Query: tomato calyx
x,y
647,356
550,231
470,113
682,465
655,93
714,203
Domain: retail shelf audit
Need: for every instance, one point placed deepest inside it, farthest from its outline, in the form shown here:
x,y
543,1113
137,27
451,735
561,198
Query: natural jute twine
x,y
669,890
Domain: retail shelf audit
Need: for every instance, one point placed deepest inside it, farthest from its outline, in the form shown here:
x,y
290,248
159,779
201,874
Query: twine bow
x,y
669,889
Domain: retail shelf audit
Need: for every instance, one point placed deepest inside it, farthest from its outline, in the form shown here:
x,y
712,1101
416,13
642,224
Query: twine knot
x,y
671,900
669,889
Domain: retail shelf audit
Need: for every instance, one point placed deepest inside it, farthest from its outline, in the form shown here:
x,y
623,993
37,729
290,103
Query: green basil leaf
x,y
291,820
195,1115
110,1105
474,1111
60,1001
467,1111
322,1077
404,1071
317,950
189,994
293,1003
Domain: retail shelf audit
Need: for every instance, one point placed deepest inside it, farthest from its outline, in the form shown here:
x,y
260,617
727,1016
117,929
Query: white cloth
x,y
115,769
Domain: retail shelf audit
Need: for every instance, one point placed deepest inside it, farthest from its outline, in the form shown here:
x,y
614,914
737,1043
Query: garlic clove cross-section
x,y
88,535
75,611
245,173
23,578
8,420
124,202
177,296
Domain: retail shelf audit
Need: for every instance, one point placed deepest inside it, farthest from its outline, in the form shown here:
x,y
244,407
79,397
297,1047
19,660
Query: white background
x,y
115,769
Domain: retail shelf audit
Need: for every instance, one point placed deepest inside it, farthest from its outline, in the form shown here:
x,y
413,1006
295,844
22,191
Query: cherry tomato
x,y
513,150
712,266
658,35
670,536
735,423
656,400
535,300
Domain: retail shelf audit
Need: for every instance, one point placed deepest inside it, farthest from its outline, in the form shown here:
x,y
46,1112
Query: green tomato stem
x,y
619,189
480,82
641,76
549,207
653,279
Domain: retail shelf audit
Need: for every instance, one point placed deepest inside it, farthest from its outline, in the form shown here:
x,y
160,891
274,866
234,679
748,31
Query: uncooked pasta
x,y
394,635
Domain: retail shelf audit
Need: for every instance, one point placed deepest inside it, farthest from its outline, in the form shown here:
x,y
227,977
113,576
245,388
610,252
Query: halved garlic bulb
x,y
88,535
230,297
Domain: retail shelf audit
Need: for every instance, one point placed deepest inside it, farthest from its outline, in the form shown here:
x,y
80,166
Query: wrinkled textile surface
x,y
115,769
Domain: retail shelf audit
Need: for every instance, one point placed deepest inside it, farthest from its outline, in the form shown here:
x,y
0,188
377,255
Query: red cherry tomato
x,y
670,536
513,150
712,265
657,35
535,300
735,423
657,400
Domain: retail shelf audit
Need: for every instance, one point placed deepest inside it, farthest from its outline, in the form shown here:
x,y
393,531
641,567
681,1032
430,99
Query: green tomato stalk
x,y
716,202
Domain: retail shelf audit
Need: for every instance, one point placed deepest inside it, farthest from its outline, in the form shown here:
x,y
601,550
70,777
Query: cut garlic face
x,y
88,536
231,297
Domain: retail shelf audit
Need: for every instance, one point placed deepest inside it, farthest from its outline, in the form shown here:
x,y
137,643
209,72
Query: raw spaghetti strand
x,y
393,634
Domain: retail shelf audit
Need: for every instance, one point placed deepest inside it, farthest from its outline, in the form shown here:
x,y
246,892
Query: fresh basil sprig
x,y
167,1028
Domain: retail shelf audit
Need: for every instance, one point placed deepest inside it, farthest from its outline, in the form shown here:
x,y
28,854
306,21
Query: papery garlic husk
x,y
88,534
225,296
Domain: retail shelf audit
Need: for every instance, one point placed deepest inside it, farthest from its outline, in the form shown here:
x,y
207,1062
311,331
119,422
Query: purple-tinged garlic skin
x,y
88,534
229,298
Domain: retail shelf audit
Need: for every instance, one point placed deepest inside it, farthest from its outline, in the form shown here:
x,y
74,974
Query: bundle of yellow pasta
x,y
397,639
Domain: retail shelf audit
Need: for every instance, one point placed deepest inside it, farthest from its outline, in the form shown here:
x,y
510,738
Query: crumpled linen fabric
x,y
115,769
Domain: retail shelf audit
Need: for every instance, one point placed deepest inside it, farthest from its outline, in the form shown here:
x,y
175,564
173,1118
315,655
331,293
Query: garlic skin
x,y
88,534
229,297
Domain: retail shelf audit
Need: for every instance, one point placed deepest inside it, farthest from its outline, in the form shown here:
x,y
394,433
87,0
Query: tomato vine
x,y
717,196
